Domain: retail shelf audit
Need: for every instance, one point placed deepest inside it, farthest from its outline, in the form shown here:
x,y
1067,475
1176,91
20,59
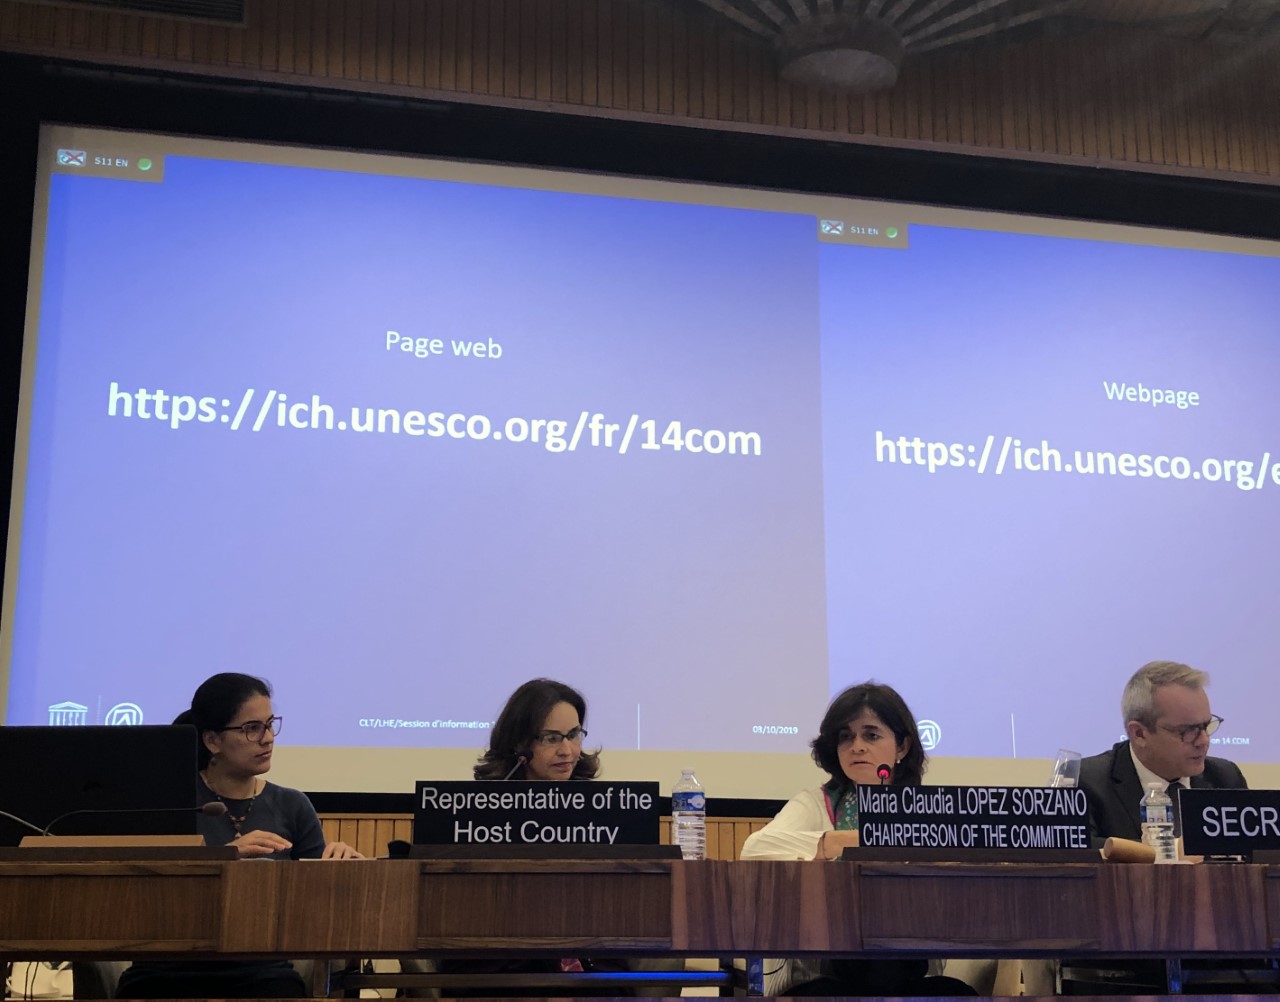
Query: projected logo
x,y
67,714
72,158
930,734
124,715
832,227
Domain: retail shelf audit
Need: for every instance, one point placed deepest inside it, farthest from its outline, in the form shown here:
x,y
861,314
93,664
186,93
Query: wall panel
x,y
1116,95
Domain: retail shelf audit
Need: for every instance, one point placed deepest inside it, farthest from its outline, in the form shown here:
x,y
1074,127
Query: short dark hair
x,y
886,704
520,722
216,703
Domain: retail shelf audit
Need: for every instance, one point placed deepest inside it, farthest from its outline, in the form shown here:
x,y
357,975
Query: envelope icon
x,y
832,227
71,158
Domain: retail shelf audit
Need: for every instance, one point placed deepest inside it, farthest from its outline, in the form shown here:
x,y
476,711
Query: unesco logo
x,y
930,734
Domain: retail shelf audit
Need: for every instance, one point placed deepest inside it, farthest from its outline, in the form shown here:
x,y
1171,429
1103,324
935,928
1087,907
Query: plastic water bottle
x,y
689,816
1157,823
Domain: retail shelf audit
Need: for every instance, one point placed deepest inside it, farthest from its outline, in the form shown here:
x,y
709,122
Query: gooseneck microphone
x,y
521,760
884,772
213,809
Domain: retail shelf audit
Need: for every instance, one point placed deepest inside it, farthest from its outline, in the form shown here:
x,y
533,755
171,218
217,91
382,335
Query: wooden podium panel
x,y
544,905
727,908
1271,892
109,908
1190,909
618,907
1015,908
317,906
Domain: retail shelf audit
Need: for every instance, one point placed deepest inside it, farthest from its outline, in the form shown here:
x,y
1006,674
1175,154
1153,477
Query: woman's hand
x,y
256,844
340,850
832,844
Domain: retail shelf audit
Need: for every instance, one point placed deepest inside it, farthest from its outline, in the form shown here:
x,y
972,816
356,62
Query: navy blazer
x,y
1110,783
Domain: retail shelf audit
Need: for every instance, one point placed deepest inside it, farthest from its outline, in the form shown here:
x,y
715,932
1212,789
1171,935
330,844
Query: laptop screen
x,y
144,776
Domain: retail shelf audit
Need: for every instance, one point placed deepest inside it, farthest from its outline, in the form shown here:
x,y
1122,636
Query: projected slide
x,y
400,445
399,441
1048,462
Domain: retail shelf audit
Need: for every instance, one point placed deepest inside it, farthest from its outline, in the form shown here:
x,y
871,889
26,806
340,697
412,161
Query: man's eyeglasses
x,y
553,738
1190,733
255,729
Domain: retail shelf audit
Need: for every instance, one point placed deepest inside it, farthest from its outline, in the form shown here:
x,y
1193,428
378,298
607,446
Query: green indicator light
x,y
144,164
891,232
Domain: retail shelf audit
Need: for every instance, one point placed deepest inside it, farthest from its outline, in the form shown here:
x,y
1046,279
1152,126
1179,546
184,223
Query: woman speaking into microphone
x,y
867,737
539,735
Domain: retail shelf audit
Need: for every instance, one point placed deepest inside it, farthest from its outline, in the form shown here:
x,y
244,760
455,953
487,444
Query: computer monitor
x,y
145,775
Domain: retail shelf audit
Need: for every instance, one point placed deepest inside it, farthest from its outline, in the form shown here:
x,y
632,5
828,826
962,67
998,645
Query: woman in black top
x,y
237,727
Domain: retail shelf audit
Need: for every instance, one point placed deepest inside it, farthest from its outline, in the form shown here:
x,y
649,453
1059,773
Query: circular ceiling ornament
x,y
841,51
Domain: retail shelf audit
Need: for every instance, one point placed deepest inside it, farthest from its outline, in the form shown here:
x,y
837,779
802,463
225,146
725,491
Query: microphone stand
x,y
213,809
22,821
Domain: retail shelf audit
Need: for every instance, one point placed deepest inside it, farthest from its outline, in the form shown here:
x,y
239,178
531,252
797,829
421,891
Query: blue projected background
x,y
400,444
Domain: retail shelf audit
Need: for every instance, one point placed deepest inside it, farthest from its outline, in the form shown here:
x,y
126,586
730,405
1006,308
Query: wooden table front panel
x,y
544,905
1271,889
355,907
1210,908
76,909
739,908
1008,908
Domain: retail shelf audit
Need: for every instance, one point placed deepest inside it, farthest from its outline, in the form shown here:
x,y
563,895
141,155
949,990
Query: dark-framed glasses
x,y
1190,733
553,738
255,729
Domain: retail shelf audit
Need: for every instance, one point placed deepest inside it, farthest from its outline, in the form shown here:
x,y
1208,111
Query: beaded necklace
x,y
237,820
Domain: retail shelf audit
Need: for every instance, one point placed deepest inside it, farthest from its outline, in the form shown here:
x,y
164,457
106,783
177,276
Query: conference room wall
x,y
593,72
1110,94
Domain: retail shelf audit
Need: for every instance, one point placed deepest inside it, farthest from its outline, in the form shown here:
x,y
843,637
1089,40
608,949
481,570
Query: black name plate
x,y
535,813
1229,822
972,817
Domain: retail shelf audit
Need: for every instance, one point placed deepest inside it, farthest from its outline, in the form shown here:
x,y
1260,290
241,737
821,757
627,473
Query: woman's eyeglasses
x,y
255,729
553,738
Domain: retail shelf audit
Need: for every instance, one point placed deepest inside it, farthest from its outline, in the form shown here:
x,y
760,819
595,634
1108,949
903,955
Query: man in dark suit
x,y
1167,718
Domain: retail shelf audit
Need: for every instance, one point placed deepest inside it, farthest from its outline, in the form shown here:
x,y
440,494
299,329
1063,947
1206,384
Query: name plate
x,y
1229,822
516,812
972,817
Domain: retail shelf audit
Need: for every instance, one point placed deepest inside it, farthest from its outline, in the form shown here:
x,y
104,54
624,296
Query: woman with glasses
x,y
232,713
539,735
233,716
237,728
866,727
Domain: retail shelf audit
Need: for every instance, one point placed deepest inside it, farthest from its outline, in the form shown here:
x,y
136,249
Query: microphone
x,y
883,771
213,809
521,760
